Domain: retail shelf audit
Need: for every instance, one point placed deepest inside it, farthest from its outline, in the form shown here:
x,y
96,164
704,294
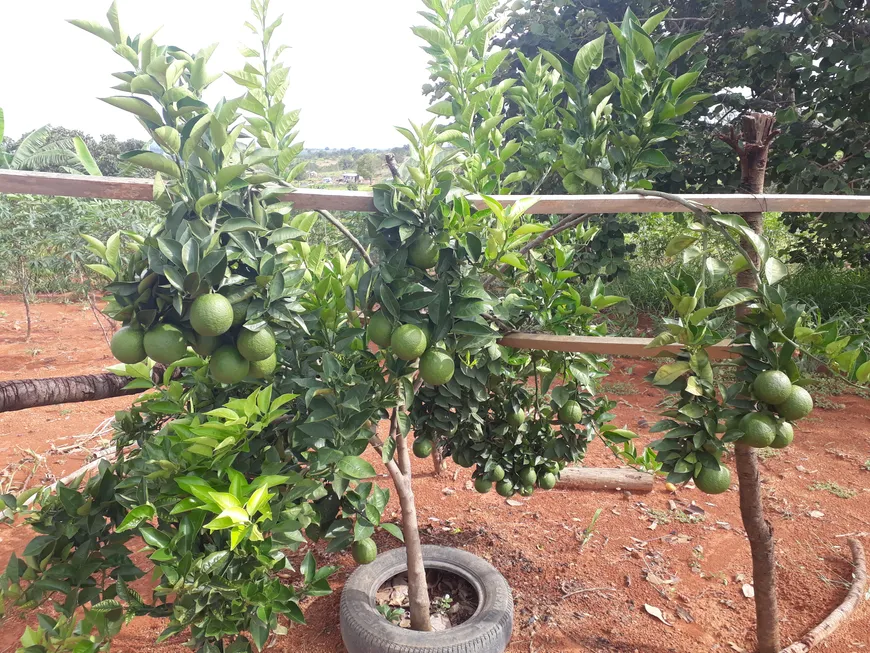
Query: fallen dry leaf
x,y
514,502
655,612
816,514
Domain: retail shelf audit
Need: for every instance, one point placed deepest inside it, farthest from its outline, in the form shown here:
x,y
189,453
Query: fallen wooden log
x,y
842,611
31,393
598,478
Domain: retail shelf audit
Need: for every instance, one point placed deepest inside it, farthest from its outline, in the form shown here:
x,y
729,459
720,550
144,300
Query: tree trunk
x,y
758,133
437,461
25,290
30,393
418,590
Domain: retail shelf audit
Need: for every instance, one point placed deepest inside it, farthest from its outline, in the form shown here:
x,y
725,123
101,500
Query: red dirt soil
x,y
645,549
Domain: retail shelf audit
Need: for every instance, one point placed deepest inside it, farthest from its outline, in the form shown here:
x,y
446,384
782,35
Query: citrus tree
x,y
252,443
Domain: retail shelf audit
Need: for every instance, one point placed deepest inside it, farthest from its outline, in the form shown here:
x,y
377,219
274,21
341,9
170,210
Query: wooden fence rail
x,y
120,188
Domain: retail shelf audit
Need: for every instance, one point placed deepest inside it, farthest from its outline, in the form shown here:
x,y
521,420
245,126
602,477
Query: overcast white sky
x,y
356,68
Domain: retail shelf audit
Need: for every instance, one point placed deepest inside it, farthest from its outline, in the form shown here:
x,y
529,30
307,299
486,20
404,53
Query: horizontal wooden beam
x,y
121,188
603,345
48,183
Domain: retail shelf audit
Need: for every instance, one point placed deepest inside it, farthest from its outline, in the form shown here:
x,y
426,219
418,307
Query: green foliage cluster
x,y
41,249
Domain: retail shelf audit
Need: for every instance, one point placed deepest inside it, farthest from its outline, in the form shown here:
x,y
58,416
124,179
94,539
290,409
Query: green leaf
x,y
152,161
229,173
355,467
136,516
442,108
514,261
654,159
393,530
775,271
683,82
737,296
168,138
589,58
136,106
863,373
105,270
83,154
96,29
653,21
678,243
681,46
669,373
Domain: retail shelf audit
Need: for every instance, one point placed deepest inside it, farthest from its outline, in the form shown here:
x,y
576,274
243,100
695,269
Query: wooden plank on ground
x,y
42,183
606,346
601,478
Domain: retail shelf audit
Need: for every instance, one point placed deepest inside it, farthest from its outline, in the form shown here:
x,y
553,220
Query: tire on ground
x,y
365,630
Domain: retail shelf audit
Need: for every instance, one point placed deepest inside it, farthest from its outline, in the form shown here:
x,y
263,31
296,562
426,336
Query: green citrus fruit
x,y
227,365
772,387
423,252
784,435
380,330
422,447
505,488
364,551
759,430
165,343
482,485
547,481
496,474
128,345
798,405
527,490
713,481
570,413
205,345
528,476
516,419
436,367
256,345
211,315
263,369
408,342
240,312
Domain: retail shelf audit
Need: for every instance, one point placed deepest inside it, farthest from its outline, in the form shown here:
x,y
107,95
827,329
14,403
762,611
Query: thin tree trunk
x,y
25,289
418,591
437,461
757,134
30,393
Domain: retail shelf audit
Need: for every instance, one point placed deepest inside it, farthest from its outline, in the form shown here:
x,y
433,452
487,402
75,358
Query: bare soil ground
x,y
681,552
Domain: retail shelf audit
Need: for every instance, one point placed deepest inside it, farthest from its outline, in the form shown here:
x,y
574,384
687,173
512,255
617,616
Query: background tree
x,y
368,166
805,60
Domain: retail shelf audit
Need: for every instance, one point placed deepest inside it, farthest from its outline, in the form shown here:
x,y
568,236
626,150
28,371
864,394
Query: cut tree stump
x,y
598,478
843,611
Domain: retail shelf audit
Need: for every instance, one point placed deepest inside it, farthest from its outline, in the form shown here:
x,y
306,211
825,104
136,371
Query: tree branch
x,y
358,245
